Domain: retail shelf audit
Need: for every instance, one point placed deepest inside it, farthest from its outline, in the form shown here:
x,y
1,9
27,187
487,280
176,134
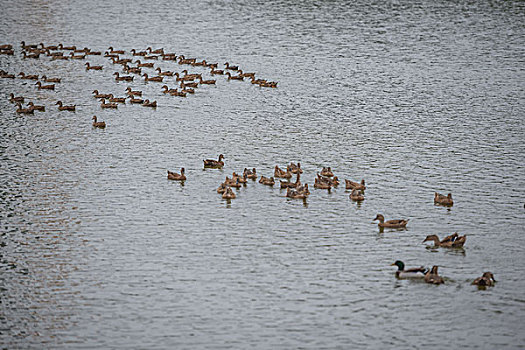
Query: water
x,y
99,250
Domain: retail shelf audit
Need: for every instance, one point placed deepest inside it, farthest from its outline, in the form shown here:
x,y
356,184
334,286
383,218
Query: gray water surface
x,y
100,250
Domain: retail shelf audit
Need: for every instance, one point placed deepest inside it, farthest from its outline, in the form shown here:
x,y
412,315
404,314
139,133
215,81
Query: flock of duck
x,y
186,84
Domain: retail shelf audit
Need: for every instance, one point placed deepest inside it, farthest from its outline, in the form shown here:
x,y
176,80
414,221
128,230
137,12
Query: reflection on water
x,y
414,98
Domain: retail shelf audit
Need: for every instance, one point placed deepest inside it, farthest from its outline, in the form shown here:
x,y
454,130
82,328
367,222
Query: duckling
x,y
45,87
443,200
166,73
32,106
295,168
267,181
351,185
28,77
145,65
76,57
487,280
157,78
98,95
122,78
216,71
51,80
135,100
228,194
133,92
96,124
357,196
177,177
432,276
250,174
281,173
327,172
289,184
230,67
118,52
65,108
23,110
209,82
148,103
89,67
416,272
234,77
116,99
398,223
103,104
12,98
452,241
139,53
211,163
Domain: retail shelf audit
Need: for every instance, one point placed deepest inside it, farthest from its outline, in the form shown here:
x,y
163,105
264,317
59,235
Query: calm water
x,y
99,250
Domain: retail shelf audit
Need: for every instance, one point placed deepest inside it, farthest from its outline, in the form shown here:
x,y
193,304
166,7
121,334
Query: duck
x,y
415,272
246,75
138,53
166,73
443,200
156,51
184,85
51,54
216,71
334,181
61,107
432,276
222,188
281,173
59,57
241,179
230,67
191,75
135,70
145,65
228,194
13,98
250,174
157,78
133,92
183,60
351,185
187,90
62,47
98,95
4,74
31,55
169,57
45,87
486,280
167,90
151,57
183,78
177,177
327,172
116,99
32,106
233,182
76,57
270,84
289,184
295,168
122,78
23,110
175,92
7,52
357,196
6,47
51,80
118,60
207,82
452,241
94,53
292,193
148,103
133,100
322,185
234,77
96,124
303,188
201,63
257,81
398,223
118,52
103,104
268,181
22,75
89,67
212,163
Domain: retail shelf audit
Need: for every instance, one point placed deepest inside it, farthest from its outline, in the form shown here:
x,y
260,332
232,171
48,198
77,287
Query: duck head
x,y
400,265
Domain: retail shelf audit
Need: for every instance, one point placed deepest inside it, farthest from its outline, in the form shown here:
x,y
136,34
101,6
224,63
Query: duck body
x,y
281,173
34,107
432,276
89,67
351,185
97,124
228,194
122,78
357,196
177,177
289,184
399,223
452,241
21,110
103,104
148,103
443,200
416,272
99,95
327,172
61,107
292,193
212,163
45,87
250,174
133,92
15,99
268,181
487,280
322,185
51,80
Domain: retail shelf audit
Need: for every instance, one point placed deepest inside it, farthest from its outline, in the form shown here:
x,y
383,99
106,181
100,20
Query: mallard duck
x,y
222,188
156,51
116,99
148,103
96,124
191,75
118,52
166,73
133,92
487,280
443,200
233,182
32,106
61,107
4,74
291,193
61,47
184,85
322,185
147,65
268,181
415,272
135,100
270,84
177,177
399,223
157,78
60,57
228,194
122,78
31,55
289,184
45,87
234,77
230,67
250,174
303,188
357,196
22,75
98,95
207,82
216,72
257,81
327,172
351,185
241,179
89,67
281,173
103,104
452,241
135,70
295,168
139,53
432,276
246,75
76,57
170,57
24,110
51,80
14,99
211,163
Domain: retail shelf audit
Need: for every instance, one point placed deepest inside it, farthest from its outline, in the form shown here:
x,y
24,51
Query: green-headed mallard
x,y
415,272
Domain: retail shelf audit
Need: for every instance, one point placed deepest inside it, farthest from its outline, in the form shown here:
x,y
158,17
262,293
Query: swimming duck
x,y
327,172
147,65
289,184
61,107
133,92
29,77
45,87
240,179
135,100
208,82
267,181
7,52
211,163
167,90
76,57
234,77
351,185
96,124
116,99
222,188
415,272
246,75
303,188
443,200
31,105
216,72
357,196
147,103
487,280
135,70
32,55
51,80
257,81
157,78
228,194
94,53
184,85
103,104
177,177
432,276
390,223
270,84
59,57
157,51
4,74
61,47
201,63
230,67
233,182
169,57
151,57
183,78
175,92
250,174
452,241
98,95
12,98
183,60
281,173
118,52
23,110
122,78
295,168
6,47
334,181
322,185
88,67
139,53
291,193
187,90
166,73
